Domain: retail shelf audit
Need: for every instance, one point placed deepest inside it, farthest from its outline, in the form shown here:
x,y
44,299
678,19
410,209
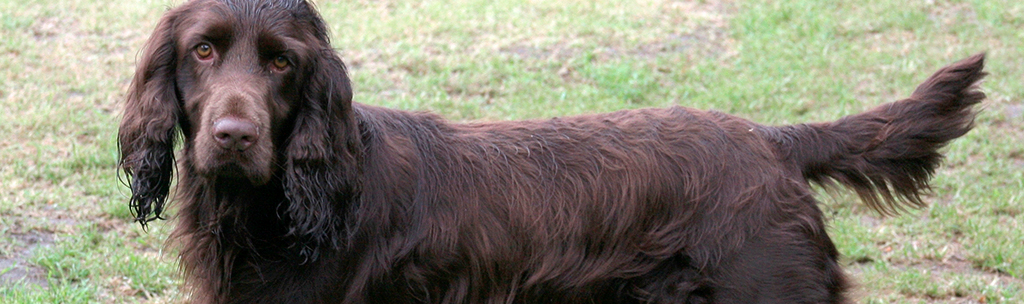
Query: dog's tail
x,y
888,154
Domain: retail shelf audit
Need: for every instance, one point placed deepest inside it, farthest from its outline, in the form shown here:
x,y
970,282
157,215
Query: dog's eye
x,y
204,51
281,62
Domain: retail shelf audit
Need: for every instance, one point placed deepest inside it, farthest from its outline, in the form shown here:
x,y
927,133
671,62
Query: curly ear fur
x,y
147,132
321,156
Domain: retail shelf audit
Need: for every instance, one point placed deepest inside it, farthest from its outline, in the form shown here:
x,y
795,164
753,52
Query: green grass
x,y
64,68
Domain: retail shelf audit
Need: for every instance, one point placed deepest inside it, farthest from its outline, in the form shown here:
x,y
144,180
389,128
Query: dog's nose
x,y
234,134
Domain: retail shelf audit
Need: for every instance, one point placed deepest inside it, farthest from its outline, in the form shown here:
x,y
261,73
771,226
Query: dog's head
x,y
256,92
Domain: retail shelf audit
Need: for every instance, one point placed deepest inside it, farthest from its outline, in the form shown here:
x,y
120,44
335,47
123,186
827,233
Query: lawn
x,y
66,234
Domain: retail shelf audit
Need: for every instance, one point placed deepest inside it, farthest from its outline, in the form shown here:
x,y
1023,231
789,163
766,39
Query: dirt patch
x,y
940,269
958,265
1012,112
702,33
15,268
28,229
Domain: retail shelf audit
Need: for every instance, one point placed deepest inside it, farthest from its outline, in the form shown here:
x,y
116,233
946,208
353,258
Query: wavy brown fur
x,y
889,153
310,198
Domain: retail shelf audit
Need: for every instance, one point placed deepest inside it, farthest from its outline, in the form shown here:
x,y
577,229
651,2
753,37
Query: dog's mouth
x,y
235,165
232,170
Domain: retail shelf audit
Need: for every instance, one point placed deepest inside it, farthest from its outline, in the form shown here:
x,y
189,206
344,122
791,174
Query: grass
x,y
66,234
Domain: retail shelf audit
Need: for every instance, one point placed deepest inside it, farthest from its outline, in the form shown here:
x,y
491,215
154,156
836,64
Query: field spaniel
x,y
288,192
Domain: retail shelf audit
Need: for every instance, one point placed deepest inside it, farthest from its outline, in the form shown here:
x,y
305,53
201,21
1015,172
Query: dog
x,y
289,192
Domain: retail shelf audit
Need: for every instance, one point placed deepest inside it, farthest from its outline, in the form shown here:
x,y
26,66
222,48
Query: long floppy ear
x,y
147,133
321,156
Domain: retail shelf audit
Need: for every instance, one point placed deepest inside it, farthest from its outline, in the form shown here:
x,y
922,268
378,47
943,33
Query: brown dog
x,y
291,193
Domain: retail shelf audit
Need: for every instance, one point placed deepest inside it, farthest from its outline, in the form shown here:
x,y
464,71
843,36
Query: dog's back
x,y
660,205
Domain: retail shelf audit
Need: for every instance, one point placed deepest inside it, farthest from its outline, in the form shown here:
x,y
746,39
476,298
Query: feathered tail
x,y
888,154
